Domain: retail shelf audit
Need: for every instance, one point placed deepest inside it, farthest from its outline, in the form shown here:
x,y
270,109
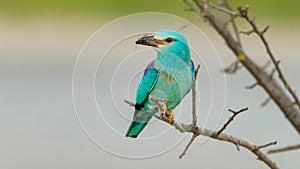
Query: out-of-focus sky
x,y
39,44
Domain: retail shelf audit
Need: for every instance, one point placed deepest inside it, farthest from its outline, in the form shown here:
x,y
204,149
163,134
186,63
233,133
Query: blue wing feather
x,y
193,68
146,85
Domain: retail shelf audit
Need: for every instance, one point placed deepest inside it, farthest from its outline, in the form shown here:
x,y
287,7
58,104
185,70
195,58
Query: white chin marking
x,y
159,46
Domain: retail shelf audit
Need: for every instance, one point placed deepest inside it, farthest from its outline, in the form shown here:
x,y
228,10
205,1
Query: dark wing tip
x,y
132,136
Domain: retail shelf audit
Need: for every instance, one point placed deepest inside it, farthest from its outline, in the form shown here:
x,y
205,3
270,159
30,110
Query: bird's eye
x,y
169,40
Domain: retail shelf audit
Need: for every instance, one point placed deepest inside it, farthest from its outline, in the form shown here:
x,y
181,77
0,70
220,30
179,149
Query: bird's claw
x,y
165,114
169,116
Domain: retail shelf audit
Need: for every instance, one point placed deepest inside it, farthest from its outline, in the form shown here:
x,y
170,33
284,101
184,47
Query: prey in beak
x,y
150,41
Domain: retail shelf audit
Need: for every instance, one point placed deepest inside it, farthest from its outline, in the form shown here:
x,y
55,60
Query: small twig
x,y
129,103
233,67
252,86
235,28
235,113
266,145
196,19
265,102
220,8
272,74
266,65
273,89
247,32
284,149
223,16
191,7
187,146
265,30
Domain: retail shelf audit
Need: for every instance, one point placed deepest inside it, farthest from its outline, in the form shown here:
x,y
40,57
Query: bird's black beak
x,y
149,41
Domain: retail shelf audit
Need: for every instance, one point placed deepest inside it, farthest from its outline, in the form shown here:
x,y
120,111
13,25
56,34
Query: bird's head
x,y
167,41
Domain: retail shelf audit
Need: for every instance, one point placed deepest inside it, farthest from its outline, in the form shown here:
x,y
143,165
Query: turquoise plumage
x,y
170,76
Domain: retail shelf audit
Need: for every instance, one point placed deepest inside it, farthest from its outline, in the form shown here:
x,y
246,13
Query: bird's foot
x,y
169,116
162,109
161,106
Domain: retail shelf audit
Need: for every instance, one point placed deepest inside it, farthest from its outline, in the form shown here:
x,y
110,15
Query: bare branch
x,y
220,8
284,149
196,19
235,28
194,96
228,138
244,14
235,113
187,146
274,90
194,113
196,131
222,14
191,6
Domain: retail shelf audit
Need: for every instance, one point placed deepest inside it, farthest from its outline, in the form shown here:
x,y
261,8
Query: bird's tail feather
x,y
137,126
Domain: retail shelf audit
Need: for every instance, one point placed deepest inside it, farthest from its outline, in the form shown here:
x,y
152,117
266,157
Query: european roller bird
x,y
168,78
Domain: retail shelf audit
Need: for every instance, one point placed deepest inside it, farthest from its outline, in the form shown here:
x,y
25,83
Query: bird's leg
x,y
162,109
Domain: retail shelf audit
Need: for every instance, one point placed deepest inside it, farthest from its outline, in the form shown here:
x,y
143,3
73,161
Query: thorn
x,y
252,86
264,103
278,62
247,32
266,65
272,74
265,30
233,68
293,103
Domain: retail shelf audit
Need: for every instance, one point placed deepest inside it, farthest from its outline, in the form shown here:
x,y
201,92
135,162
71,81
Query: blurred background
x,y
40,41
